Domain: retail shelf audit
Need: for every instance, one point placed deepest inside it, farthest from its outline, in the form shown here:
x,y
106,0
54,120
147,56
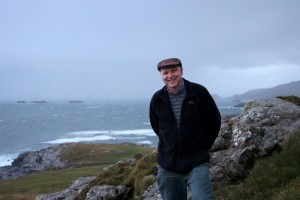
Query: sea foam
x,y
7,159
80,139
96,135
144,132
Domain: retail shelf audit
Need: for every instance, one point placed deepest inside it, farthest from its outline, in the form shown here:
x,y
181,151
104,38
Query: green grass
x,y
27,187
86,159
128,174
35,183
276,177
101,154
292,99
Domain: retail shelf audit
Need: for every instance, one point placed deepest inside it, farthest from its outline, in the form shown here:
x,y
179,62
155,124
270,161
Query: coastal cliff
x,y
34,161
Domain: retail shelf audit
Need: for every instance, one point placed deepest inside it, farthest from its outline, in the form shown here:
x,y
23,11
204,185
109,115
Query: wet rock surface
x,y
34,161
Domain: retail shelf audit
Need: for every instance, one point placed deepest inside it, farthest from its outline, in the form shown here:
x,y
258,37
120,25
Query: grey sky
x,y
70,49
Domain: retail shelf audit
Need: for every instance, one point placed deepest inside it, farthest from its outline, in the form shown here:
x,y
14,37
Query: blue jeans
x,y
173,186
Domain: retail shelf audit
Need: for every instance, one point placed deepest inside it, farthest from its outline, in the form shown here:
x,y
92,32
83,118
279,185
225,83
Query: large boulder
x,y
71,192
259,130
108,192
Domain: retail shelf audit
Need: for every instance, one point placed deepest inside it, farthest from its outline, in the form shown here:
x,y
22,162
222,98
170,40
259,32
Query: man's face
x,y
172,78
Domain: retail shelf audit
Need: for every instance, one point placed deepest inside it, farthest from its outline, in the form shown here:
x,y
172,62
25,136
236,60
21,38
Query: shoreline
x,y
51,158
7,159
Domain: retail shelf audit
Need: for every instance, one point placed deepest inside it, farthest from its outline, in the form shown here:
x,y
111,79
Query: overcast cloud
x,y
70,49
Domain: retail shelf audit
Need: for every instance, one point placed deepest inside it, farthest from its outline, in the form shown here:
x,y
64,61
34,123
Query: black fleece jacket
x,y
182,148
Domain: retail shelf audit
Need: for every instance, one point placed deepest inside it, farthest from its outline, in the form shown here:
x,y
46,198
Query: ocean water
x,y
32,126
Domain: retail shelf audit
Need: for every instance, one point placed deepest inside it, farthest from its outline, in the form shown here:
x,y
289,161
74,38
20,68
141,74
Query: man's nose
x,y
170,74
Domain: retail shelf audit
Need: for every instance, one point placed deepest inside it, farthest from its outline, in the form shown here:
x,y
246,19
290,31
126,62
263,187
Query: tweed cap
x,y
168,63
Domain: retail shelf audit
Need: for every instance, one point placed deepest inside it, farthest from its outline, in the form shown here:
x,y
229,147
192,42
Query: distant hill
x,y
292,88
221,101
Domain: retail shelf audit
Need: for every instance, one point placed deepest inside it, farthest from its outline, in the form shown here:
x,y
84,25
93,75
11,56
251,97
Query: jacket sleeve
x,y
213,120
153,116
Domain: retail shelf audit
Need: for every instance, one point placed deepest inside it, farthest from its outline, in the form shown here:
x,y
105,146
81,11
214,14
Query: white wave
x,y
7,159
145,142
80,139
88,132
226,107
144,132
230,107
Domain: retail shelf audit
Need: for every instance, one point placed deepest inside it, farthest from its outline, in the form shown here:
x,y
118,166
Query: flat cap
x,y
168,63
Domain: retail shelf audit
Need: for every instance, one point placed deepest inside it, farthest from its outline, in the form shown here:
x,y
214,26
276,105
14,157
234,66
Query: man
x,y
187,121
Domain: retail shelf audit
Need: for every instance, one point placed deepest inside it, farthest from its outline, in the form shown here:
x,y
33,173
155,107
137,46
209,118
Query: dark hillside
x,y
289,89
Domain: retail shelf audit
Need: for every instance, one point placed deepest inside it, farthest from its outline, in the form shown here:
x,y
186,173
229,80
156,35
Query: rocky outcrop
x,y
69,193
259,130
108,192
152,193
34,161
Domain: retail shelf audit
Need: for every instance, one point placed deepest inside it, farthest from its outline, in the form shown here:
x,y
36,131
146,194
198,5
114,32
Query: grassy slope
x,y
128,174
292,99
87,159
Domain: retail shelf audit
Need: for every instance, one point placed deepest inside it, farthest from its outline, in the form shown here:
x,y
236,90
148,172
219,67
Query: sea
x,y
31,126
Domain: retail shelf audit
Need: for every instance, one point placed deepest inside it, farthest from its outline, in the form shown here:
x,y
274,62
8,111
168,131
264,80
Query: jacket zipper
x,y
178,138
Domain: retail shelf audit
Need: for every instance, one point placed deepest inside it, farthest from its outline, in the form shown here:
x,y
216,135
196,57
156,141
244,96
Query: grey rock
x,y
34,161
152,193
259,130
69,193
223,139
108,192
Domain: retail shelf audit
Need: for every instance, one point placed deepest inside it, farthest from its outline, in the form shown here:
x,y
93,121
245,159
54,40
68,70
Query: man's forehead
x,y
169,68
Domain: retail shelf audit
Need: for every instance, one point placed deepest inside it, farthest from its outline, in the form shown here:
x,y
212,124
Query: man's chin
x,y
172,85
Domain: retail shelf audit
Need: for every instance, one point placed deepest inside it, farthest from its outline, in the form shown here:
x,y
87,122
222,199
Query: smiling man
x,y
187,121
